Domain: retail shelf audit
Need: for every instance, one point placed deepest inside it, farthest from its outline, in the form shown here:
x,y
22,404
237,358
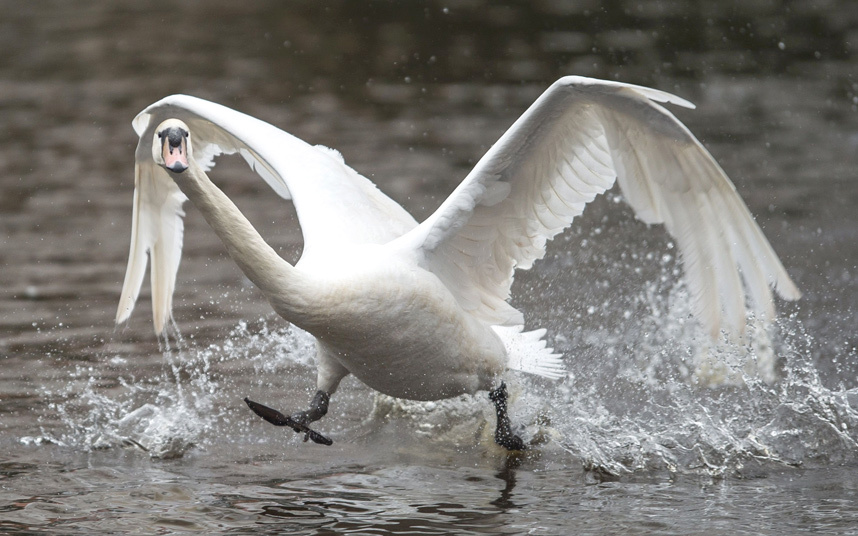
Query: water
x,y
655,431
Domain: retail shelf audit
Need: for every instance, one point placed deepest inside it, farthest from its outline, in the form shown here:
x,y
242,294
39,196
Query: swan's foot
x,y
503,433
298,421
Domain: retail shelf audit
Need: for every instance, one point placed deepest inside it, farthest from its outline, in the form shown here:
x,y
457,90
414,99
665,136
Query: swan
x,y
421,310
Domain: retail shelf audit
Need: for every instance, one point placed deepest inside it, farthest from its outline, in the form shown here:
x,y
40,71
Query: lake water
x,y
103,431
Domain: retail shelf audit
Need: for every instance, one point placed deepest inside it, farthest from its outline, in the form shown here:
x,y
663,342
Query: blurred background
x,y
412,94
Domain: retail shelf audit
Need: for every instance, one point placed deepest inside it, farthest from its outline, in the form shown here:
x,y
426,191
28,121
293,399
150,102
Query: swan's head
x,y
171,146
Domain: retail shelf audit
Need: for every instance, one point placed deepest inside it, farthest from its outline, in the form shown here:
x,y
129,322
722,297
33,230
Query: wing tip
x,y
787,289
123,313
160,322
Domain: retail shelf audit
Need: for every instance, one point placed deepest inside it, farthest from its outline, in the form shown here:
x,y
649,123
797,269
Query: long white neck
x,y
282,284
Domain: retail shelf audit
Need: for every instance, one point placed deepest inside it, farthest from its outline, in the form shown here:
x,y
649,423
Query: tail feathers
x,y
528,352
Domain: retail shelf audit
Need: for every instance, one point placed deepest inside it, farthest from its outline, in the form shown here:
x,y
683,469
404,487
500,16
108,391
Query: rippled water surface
x,y
654,431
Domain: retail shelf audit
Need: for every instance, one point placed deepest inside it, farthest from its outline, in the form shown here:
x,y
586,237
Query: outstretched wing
x,y
335,204
571,145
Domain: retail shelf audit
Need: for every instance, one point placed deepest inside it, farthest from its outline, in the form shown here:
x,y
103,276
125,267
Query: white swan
x,y
421,311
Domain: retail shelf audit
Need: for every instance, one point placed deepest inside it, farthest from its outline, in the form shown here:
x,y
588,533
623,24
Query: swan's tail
x,y
528,352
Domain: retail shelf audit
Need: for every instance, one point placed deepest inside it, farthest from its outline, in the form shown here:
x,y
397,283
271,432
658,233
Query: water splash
x,y
647,394
180,407
674,402
164,415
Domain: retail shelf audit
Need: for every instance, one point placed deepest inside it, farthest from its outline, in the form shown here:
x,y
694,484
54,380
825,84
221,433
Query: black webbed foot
x,y
503,433
299,421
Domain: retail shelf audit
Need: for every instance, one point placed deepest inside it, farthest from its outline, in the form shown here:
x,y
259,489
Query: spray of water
x,y
647,393
670,400
180,407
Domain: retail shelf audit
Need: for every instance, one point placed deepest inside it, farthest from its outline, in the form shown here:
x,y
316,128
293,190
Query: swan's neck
x,y
282,284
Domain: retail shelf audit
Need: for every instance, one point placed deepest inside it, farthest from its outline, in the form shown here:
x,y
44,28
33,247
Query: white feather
x,y
156,230
529,353
334,203
423,310
572,144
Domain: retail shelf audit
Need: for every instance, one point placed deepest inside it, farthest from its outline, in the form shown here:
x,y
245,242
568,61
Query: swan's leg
x,y
298,424
318,409
329,374
503,433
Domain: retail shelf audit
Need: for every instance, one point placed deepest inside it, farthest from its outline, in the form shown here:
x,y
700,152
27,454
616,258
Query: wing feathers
x,y
571,145
156,229
335,205
578,138
141,240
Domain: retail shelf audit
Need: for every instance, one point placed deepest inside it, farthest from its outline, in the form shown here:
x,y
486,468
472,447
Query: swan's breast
x,y
398,328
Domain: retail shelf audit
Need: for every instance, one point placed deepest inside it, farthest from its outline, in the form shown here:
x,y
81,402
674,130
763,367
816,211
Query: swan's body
x,y
397,328
421,311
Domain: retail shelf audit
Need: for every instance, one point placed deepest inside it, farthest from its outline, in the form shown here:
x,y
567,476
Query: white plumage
x,y
422,311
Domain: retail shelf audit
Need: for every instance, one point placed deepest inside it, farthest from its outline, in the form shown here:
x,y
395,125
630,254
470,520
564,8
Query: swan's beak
x,y
174,149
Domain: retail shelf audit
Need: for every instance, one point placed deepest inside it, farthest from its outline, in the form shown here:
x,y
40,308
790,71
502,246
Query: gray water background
x,y
103,432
